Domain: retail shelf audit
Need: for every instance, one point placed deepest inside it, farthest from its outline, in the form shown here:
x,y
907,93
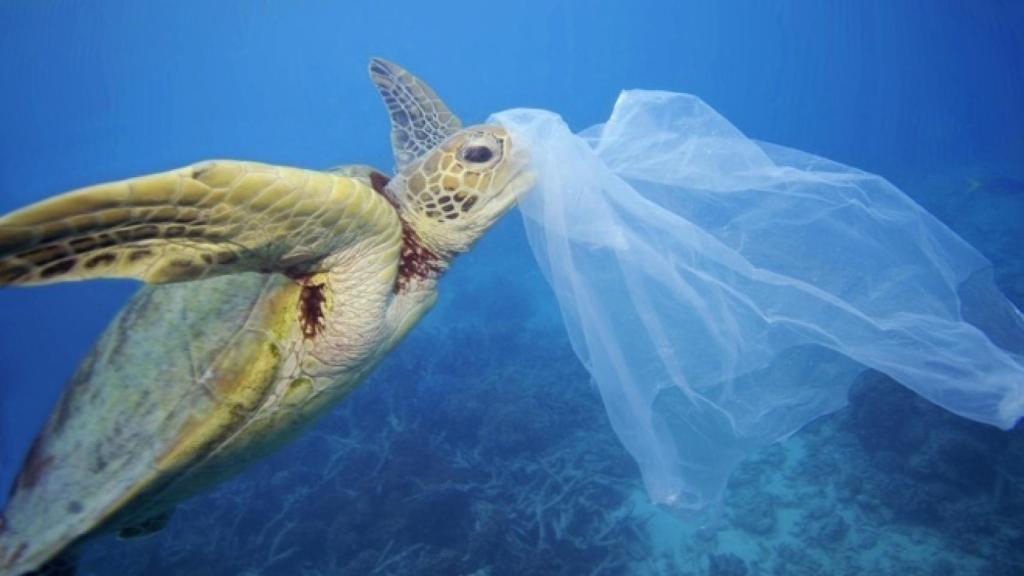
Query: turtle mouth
x,y
521,179
519,184
518,179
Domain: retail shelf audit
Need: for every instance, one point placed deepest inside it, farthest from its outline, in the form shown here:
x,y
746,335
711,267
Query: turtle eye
x,y
477,154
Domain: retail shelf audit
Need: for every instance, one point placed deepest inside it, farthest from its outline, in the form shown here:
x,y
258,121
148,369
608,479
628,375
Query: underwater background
x,y
479,446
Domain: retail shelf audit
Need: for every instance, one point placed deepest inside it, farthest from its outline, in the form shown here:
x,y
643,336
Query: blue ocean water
x,y
479,446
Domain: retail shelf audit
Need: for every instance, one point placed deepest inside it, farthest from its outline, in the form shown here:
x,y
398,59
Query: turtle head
x,y
452,183
457,190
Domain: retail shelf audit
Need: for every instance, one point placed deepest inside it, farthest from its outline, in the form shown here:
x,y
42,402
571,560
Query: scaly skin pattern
x,y
419,119
208,219
193,382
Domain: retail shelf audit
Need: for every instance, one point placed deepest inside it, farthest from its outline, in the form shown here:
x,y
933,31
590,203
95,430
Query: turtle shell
x,y
175,376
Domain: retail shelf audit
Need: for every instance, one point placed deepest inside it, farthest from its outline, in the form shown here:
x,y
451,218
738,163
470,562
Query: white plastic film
x,y
724,292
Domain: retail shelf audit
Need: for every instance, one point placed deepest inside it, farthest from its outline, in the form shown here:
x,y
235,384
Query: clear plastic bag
x,y
724,292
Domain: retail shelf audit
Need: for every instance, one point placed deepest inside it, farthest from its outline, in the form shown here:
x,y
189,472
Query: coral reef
x,y
477,465
500,466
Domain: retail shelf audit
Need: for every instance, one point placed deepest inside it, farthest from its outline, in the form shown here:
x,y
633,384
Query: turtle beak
x,y
519,179
520,183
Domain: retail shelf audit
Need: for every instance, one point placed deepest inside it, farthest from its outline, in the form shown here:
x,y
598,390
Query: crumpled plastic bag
x,y
724,292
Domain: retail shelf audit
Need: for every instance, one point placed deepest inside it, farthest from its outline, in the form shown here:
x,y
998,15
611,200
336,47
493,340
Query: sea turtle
x,y
272,293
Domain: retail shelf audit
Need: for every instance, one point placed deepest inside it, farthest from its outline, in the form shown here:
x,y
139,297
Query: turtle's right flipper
x,y
203,220
419,119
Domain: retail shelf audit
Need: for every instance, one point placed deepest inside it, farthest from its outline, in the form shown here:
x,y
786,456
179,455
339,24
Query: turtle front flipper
x,y
419,119
203,220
